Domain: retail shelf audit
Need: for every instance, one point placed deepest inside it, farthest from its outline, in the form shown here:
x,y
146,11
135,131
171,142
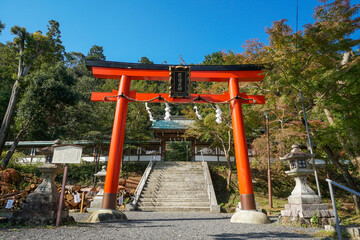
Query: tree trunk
x,y
23,70
5,125
12,149
352,156
348,179
229,172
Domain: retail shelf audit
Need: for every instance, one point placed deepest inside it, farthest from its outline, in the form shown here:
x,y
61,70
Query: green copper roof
x,y
173,124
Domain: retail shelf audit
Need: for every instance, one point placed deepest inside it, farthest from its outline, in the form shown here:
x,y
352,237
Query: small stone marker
x,y
9,204
121,200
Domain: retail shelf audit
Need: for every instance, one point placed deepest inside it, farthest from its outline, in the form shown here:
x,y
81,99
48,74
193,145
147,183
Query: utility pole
x,y
266,113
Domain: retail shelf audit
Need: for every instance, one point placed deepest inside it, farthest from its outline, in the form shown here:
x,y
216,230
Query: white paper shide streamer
x,y
197,113
150,115
167,112
77,198
218,114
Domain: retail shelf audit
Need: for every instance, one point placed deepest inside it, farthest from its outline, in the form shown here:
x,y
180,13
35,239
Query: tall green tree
x,y
322,62
2,26
33,49
96,53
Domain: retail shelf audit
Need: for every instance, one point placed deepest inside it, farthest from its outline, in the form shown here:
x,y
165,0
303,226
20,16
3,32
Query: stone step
x,y
172,199
173,186
175,209
172,191
174,194
179,164
177,170
173,168
176,184
177,173
199,175
173,204
175,200
183,195
178,179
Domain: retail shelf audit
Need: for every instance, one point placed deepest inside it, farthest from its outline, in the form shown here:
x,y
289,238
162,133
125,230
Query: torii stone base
x,y
107,215
250,216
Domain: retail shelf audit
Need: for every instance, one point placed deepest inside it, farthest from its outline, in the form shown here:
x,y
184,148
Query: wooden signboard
x,y
67,154
179,81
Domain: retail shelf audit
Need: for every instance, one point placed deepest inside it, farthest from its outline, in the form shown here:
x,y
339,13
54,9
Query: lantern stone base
x,y
304,199
40,207
304,206
107,215
39,213
307,214
250,216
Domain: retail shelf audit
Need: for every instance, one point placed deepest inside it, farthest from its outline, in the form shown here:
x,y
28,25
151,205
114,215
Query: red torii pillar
x,y
241,150
116,147
128,71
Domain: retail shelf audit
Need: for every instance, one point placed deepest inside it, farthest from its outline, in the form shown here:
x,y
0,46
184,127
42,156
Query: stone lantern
x,y
303,203
96,203
41,206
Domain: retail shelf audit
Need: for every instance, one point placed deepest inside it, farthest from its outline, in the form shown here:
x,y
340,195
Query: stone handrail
x,y
140,187
214,207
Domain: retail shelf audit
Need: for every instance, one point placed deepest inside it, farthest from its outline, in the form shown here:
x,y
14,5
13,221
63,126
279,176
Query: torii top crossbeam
x,y
160,72
179,78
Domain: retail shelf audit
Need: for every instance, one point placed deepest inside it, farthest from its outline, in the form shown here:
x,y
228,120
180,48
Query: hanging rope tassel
x,y
218,114
150,115
167,112
197,113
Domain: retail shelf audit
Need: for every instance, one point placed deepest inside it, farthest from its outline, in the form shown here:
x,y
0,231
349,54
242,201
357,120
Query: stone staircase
x,y
175,186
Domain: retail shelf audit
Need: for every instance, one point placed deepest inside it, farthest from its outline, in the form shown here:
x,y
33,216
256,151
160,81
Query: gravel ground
x,y
161,225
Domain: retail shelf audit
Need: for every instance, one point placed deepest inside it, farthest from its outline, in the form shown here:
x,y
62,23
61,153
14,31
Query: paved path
x,y
155,225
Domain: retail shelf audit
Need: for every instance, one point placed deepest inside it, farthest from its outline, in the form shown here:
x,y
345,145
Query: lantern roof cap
x,y
296,153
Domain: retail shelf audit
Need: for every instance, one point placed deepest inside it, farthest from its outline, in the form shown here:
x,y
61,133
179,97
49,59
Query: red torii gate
x,y
233,74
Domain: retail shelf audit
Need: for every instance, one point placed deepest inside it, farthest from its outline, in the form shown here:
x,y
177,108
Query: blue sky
x,y
160,30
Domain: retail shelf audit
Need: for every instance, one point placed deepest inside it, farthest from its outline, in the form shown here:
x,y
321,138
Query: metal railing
x,y
141,184
330,182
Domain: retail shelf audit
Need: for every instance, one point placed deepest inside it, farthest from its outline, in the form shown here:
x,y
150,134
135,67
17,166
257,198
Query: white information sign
x,y
121,200
67,154
9,204
77,198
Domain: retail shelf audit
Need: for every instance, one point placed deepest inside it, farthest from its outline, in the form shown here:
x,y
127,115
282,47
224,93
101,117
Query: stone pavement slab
x,y
162,225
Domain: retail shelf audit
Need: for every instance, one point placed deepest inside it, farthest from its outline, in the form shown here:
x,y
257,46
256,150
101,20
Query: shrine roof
x,y
111,64
179,124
